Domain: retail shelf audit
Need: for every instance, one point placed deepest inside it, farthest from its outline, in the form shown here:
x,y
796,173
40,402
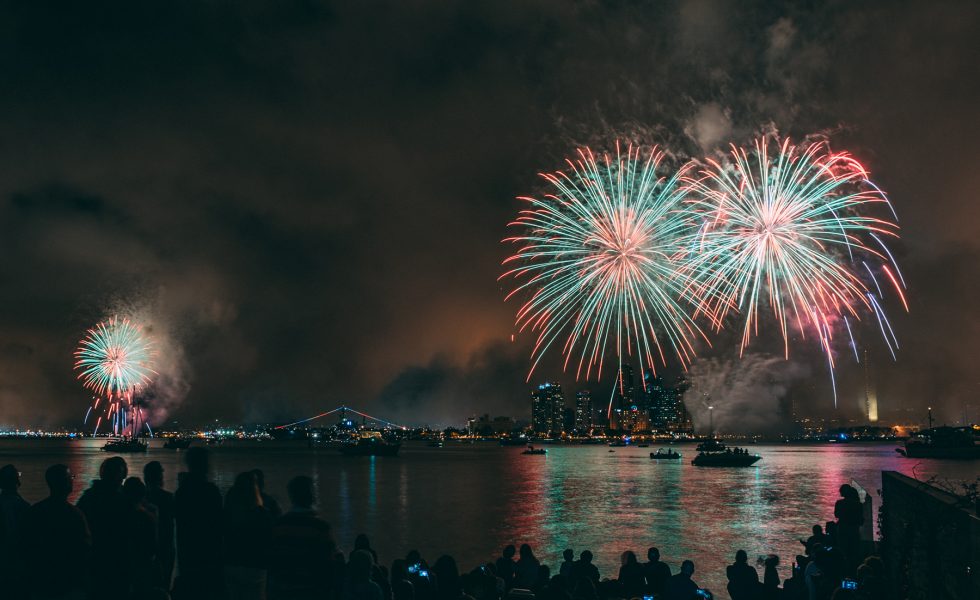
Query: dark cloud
x,y
309,196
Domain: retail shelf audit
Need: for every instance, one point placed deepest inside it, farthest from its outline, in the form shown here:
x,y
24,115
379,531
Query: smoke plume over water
x,y
746,394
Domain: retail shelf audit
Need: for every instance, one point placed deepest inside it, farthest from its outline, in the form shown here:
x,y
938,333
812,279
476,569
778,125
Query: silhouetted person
x,y
163,501
13,511
506,567
631,579
268,501
770,578
656,572
103,505
301,548
743,579
57,542
526,569
138,553
584,569
681,586
448,583
361,542
818,537
850,516
247,527
197,509
358,584
565,570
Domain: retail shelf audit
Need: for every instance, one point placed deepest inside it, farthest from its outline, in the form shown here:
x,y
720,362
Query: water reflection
x,y
471,500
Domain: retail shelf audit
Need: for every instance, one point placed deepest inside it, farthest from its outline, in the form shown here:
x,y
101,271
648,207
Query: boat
x,y
665,454
435,444
942,442
370,443
127,444
177,443
532,450
714,453
643,445
618,444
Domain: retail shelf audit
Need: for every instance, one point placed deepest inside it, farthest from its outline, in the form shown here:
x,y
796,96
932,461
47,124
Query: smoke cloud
x,y
746,393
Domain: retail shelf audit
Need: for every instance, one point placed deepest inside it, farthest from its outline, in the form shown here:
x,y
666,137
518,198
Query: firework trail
x,y
792,228
597,255
115,362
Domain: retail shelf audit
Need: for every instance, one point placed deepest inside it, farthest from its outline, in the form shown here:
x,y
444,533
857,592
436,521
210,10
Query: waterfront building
x,y
547,409
584,411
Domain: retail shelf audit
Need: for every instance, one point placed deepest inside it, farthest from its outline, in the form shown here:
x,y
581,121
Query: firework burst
x,y
115,362
597,256
792,228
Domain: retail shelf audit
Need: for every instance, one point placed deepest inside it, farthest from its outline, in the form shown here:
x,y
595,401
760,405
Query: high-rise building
x,y
681,422
547,409
584,411
662,401
624,409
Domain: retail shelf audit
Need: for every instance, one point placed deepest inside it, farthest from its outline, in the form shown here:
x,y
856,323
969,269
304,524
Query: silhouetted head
x,y
9,479
60,480
153,474
772,561
259,479
113,471
244,493
741,557
399,570
627,558
300,490
568,555
544,574
359,567
361,542
687,567
846,491
413,557
830,527
447,574
198,461
526,551
653,554
509,551
817,530
134,491
585,556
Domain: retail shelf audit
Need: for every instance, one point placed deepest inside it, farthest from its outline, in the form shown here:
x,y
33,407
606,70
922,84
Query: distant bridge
x,y
343,410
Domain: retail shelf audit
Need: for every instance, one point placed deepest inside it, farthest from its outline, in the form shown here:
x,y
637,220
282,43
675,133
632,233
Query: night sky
x,y
305,200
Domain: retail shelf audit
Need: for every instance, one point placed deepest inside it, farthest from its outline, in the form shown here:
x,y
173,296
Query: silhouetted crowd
x,y
126,538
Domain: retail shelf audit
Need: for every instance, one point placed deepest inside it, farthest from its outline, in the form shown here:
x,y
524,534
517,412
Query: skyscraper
x,y
624,408
547,408
584,415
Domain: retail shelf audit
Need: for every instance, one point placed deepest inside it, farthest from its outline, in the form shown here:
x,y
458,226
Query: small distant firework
x,y
115,362
792,228
598,257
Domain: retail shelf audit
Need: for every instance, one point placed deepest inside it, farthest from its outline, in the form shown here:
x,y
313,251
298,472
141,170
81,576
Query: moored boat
x,y
177,443
714,453
942,442
665,454
125,445
533,450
